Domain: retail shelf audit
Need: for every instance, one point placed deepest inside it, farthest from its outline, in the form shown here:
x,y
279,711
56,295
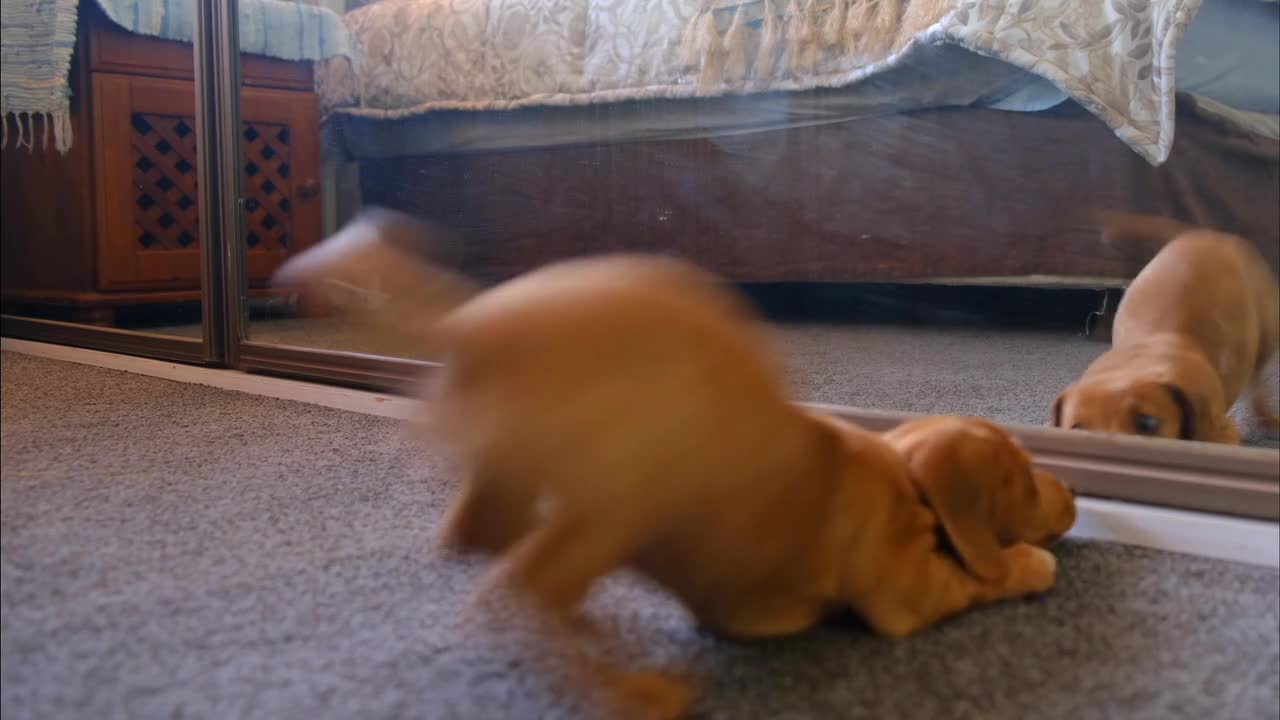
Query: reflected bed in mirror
x,y
838,205
1007,361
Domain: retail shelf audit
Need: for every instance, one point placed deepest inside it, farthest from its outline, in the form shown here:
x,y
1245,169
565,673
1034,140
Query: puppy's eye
x,y
1146,424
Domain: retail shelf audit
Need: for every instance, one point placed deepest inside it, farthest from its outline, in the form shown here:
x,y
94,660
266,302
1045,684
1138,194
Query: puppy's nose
x,y
1072,491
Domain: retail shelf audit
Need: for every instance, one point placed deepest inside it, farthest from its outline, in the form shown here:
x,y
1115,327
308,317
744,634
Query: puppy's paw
x,y
650,695
1227,433
1032,570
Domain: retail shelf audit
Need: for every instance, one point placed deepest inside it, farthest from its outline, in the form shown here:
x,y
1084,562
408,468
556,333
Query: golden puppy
x,y
1195,327
626,410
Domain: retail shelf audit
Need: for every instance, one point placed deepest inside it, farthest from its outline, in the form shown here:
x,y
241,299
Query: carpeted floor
x,y
176,551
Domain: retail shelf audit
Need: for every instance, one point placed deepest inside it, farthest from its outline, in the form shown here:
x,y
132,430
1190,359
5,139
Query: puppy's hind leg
x,y
557,562
492,511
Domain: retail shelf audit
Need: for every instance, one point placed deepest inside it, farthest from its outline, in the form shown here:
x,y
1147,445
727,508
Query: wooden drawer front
x,y
145,172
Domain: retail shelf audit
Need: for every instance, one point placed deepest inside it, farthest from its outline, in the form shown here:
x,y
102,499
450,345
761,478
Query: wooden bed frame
x,y
925,196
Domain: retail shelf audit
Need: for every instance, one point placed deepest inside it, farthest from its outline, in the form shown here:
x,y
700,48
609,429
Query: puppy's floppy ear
x,y
959,499
1186,412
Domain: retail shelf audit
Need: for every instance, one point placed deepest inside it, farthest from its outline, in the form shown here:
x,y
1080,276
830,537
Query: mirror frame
x,y
1196,476
127,342
1229,480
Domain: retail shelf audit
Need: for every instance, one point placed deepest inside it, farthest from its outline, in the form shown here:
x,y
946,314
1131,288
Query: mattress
x,y
1230,54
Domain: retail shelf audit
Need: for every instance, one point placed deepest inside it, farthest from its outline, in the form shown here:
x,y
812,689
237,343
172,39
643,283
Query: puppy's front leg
x,y
930,585
1223,431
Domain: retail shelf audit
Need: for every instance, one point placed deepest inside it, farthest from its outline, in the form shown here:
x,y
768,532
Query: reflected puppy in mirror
x,y
1195,328
981,484
374,273
627,411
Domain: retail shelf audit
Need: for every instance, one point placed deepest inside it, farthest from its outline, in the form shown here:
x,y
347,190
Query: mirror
x,y
100,222
917,219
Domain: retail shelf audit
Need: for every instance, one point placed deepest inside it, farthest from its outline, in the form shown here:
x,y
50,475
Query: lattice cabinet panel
x,y
145,167
165,213
266,185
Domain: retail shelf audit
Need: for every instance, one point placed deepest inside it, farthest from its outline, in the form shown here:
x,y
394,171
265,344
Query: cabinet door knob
x,y
308,188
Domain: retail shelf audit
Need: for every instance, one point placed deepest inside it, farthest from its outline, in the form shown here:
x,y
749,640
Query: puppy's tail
x,y
378,270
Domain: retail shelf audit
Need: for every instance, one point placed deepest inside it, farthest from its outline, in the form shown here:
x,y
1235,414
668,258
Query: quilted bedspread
x,y
1115,57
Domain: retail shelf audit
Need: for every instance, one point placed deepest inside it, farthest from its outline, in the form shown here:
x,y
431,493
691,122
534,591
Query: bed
x,y
822,141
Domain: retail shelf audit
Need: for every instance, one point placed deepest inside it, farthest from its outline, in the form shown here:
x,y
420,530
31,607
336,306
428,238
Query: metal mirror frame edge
x,y
216,48
124,342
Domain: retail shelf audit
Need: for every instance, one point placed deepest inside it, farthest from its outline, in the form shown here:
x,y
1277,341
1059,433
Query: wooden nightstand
x,y
114,222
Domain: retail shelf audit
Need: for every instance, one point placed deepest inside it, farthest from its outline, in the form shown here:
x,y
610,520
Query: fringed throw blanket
x,y
36,40
1116,57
